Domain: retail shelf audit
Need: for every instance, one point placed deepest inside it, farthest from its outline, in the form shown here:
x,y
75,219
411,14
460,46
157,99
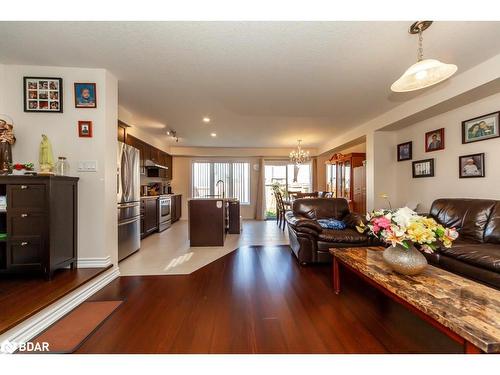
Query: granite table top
x,y
469,309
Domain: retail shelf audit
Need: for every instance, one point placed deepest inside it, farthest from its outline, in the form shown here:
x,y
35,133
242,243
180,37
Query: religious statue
x,y
7,139
46,158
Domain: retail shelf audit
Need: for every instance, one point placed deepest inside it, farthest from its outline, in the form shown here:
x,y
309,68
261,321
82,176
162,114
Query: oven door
x,y
165,213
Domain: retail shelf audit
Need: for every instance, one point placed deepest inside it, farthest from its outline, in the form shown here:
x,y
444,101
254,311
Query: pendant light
x,y
423,73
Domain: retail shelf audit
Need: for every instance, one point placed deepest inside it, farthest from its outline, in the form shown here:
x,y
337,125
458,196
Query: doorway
x,y
288,177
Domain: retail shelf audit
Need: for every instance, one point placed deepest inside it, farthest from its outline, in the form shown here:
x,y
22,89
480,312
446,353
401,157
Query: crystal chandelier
x,y
423,73
299,156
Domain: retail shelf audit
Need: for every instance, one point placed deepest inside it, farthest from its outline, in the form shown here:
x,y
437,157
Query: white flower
x,y
403,216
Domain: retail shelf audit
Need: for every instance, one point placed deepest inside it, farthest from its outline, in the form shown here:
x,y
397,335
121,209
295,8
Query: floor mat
x,y
68,333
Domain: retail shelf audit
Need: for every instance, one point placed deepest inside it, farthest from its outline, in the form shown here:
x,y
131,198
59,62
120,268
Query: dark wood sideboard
x,y
41,223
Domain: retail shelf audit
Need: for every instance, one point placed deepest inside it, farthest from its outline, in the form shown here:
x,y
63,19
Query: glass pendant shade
x,y
423,74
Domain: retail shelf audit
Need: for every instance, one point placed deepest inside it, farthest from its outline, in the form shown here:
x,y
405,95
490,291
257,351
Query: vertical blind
x,y
236,177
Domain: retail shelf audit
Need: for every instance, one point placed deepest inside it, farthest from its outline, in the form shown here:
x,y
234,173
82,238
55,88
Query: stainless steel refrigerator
x,y
129,215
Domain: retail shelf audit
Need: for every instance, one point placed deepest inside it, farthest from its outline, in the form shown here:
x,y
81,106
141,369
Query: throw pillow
x,y
332,224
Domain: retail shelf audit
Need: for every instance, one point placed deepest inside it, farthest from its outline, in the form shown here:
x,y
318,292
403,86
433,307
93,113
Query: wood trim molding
x,y
94,262
48,316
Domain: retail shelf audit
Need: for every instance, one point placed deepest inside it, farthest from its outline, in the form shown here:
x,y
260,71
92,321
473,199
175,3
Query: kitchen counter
x,y
211,218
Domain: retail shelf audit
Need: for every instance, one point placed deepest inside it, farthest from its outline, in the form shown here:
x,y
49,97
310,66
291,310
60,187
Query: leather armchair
x,y
476,253
309,241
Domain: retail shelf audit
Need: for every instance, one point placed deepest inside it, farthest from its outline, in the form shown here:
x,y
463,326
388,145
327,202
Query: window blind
x,y
236,177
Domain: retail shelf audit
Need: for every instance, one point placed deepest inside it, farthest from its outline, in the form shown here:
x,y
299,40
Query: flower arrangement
x,y
25,166
21,168
405,227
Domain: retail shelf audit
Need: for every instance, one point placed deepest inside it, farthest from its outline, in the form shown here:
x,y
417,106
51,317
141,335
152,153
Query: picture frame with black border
x,y
404,151
487,127
471,166
43,94
434,140
423,168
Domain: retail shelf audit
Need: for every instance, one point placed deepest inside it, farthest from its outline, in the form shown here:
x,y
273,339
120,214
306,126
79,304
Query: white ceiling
x,y
263,84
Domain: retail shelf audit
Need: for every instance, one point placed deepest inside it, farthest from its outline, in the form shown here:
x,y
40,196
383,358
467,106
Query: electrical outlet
x,y
87,166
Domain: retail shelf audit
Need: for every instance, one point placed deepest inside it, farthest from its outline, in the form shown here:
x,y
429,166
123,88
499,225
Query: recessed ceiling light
x,y
206,119
213,134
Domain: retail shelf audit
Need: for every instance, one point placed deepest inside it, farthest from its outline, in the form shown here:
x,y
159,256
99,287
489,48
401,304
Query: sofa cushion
x,y
480,255
321,208
468,216
492,231
345,235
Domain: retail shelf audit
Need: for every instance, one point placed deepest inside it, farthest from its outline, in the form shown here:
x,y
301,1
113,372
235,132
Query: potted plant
x,y
402,229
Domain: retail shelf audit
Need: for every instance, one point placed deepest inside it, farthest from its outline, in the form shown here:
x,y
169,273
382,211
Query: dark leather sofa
x,y
309,241
476,253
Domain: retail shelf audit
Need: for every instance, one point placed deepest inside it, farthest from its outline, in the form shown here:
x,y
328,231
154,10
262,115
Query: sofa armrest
x,y
301,223
353,219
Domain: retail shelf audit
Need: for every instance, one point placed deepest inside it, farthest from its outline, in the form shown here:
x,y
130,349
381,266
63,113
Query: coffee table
x,y
466,311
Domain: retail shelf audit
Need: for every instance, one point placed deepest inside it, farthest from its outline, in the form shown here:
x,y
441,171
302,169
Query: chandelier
x,y
423,73
299,156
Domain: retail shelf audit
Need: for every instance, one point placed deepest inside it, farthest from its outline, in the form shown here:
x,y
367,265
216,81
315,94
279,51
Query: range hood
x,y
151,164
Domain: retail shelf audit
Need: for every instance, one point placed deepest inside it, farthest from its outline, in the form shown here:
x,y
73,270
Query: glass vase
x,y
62,166
404,261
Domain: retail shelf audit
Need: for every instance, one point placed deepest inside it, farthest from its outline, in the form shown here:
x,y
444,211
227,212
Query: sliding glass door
x,y
288,177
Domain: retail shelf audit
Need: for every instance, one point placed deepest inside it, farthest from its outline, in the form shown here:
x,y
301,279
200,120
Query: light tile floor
x,y
169,253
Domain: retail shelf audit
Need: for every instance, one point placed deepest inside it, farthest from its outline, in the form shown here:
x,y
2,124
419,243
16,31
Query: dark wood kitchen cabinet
x,y
148,152
176,207
141,146
149,215
40,224
122,131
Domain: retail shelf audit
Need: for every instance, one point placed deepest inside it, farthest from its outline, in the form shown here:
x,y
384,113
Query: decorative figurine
x,y
46,158
7,139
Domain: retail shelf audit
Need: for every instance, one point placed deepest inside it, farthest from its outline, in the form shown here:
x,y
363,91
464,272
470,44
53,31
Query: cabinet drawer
x,y
25,252
26,224
26,197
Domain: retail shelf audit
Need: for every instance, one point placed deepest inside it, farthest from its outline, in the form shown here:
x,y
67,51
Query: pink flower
x,y
382,222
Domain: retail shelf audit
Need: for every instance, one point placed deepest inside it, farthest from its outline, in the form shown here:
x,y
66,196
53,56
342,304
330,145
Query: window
x,y
236,177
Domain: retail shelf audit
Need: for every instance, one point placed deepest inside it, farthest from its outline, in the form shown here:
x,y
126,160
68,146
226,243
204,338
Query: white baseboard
x,y
32,326
94,262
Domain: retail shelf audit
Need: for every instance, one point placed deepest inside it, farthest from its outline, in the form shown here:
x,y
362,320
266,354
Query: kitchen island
x,y
210,219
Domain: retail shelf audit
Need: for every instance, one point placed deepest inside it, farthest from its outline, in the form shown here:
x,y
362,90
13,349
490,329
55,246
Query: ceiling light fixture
x,y
423,73
299,156
206,119
173,134
213,135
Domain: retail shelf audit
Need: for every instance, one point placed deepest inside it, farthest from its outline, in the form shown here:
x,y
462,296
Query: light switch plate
x,y
87,166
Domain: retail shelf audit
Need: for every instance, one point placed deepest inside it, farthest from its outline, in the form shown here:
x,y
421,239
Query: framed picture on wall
x,y
434,140
471,166
481,128
43,94
85,129
405,151
423,168
85,95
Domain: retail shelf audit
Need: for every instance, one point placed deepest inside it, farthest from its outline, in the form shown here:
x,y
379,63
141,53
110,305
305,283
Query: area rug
x,y
68,333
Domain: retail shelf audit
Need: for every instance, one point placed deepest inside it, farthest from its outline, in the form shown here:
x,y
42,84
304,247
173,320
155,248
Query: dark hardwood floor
x,y
258,300
23,296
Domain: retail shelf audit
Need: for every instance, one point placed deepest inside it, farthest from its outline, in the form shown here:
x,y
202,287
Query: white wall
x,y
97,227
446,182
